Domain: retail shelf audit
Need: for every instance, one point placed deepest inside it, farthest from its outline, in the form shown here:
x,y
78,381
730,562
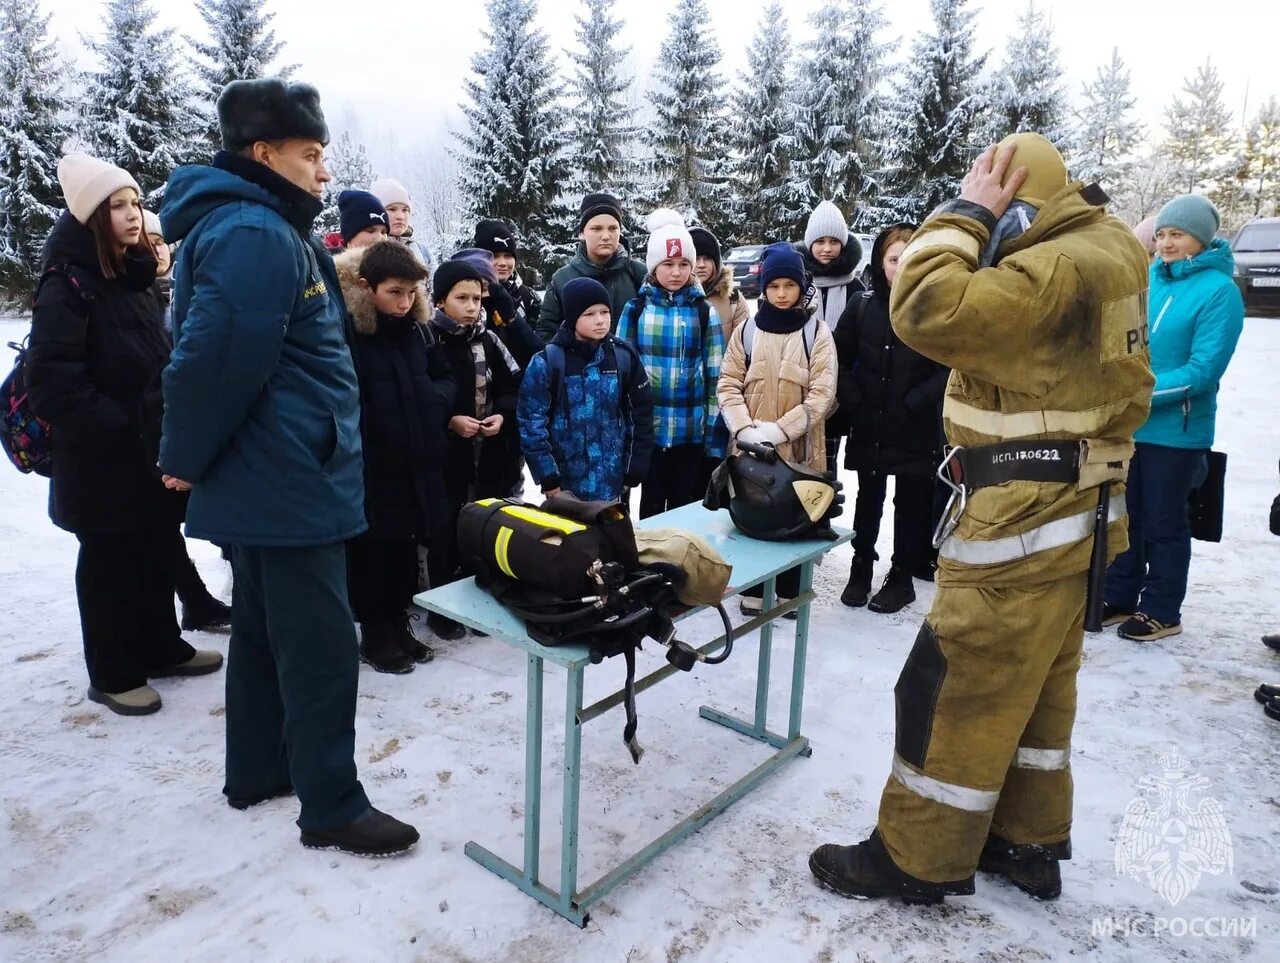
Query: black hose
x,y
728,636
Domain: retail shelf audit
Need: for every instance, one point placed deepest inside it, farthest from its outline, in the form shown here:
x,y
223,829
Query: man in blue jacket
x,y
262,424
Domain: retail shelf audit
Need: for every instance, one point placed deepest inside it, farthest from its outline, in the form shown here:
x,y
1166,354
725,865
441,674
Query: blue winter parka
x,y
262,404
1196,318
587,427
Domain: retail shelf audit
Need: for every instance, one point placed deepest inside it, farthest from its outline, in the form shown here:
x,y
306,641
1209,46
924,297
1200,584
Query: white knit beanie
x,y
390,191
668,238
826,221
86,182
151,224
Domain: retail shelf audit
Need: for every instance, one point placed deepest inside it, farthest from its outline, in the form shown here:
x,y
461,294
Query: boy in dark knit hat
x,y
586,408
600,255
483,451
717,281
498,238
362,219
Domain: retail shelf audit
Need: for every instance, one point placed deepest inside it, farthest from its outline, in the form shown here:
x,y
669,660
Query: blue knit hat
x,y
358,210
781,260
481,258
1192,213
580,294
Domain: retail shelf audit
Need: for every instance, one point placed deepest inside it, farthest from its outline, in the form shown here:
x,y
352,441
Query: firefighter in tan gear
x,y
1036,298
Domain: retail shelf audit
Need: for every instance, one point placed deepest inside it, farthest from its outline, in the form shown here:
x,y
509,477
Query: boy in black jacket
x,y
406,399
483,458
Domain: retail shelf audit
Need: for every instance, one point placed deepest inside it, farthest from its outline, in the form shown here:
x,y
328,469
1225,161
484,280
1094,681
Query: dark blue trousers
x,y
1151,577
292,673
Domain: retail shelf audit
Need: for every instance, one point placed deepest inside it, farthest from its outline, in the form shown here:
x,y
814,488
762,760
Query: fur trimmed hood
x,y
725,285
360,301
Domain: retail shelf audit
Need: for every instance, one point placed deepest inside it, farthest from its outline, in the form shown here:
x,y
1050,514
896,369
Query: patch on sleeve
x,y
951,237
1124,328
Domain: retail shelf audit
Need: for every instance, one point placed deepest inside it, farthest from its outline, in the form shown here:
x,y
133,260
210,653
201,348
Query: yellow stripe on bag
x,y
500,547
546,519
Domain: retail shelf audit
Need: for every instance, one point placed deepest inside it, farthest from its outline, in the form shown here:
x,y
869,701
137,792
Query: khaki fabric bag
x,y
708,573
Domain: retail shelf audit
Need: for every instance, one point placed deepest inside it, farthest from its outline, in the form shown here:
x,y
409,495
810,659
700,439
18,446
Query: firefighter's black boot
x,y
866,871
1031,867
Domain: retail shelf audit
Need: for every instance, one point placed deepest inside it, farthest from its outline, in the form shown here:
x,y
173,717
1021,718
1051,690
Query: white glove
x,y
771,433
751,435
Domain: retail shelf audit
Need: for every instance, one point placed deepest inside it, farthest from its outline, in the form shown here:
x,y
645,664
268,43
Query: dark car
x,y
1257,253
745,262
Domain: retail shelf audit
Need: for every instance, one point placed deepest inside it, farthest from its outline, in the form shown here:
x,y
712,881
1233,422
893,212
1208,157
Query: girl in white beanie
x,y
98,346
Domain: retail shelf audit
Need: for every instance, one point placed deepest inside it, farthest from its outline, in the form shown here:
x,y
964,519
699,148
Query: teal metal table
x,y
753,562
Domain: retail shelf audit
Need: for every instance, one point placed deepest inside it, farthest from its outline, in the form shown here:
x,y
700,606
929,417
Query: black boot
x,y
445,627
1265,693
895,594
859,585
380,647
372,833
867,871
242,803
1272,642
1031,867
202,614
419,652
1272,709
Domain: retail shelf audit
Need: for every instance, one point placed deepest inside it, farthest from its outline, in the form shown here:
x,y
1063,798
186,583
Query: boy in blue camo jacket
x,y
586,408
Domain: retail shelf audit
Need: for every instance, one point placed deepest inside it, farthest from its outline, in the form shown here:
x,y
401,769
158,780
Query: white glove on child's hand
x,y
771,433
750,435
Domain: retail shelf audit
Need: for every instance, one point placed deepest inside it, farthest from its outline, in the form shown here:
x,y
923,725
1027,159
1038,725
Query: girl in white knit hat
x,y
98,346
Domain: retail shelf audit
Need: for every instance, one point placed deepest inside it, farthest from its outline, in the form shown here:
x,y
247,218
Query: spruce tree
x,y
32,133
1107,133
512,152
241,46
840,105
1198,126
136,110
771,192
1027,92
349,167
688,139
932,123
1262,161
600,122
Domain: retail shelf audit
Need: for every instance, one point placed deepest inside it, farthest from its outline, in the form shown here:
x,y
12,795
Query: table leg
x,y
801,653
572,788
766,654
533,769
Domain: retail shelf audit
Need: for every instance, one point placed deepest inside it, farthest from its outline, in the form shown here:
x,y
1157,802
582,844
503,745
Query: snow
x,y
115,843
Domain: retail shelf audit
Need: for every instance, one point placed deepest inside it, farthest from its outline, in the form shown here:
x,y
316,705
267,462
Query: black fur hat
x,y
269,109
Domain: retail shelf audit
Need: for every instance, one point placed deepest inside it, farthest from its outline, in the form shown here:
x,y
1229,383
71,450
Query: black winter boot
x,y
896,594
419,652
1272,642
204,614
1266,693
445,627
380,647
859,585
1031,867
867,871
372,833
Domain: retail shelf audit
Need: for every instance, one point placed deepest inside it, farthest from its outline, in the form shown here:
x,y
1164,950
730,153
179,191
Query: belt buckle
x,y
956,504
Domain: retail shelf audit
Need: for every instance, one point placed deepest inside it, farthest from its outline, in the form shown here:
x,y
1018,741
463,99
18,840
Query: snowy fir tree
x,y
837,123
932,123
1262,161
348,165
1107,133
600,121
688,137
512,152
771,194
32,133
1199,126
241,46
136,110
1027,91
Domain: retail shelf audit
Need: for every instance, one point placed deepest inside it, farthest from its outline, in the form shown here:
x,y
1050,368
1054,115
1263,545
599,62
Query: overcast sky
x,y
380,63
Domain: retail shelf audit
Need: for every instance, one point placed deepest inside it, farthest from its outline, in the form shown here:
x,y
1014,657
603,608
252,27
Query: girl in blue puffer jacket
x,y
1196,316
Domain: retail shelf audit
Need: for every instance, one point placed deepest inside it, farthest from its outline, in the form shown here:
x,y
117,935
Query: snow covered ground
x,y
115,843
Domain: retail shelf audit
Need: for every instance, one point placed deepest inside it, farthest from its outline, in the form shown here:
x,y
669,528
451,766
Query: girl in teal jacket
x,y
1195,319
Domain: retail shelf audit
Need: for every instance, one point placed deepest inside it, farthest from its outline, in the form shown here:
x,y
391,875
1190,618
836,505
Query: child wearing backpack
x,y
406,397
779,380
482,457
586,408
679,338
